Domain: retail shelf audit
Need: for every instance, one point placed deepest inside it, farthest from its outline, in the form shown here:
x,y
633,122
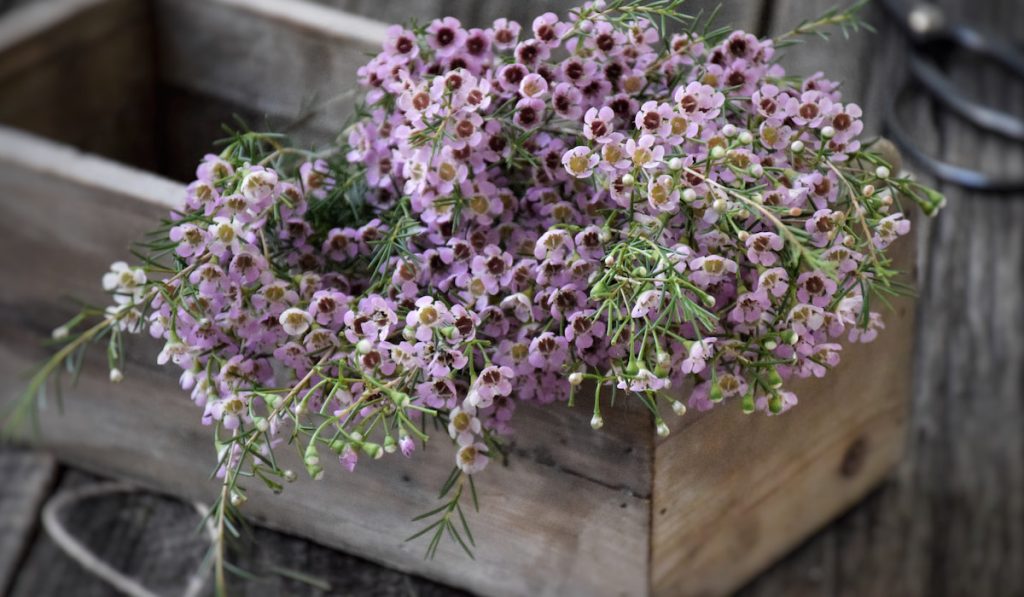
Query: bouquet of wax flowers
x,y
620,200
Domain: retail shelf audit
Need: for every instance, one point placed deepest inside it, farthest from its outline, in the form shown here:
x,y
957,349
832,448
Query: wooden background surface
x,y
949,522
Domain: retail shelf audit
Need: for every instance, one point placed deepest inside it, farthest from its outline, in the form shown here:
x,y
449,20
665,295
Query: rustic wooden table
x,y
949,522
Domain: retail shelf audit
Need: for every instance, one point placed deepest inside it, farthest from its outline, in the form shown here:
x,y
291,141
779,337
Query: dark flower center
x,y
445,36
808,111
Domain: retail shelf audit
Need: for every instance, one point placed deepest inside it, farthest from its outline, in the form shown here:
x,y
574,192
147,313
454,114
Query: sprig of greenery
x,y
451,519
847,19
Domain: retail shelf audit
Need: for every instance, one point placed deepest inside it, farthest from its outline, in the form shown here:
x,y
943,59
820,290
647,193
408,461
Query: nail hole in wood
x,y
853,459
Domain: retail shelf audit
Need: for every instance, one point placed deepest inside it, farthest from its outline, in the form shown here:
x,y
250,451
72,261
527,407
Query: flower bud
x,y
933,203
729,130
757,170
796,146
262,425
789,337
745,137
628,180
311,458
689,195
337,446
775,404
315,471
774,379
390,446
238,499
364,346
868,190
743,235
795,211
663,429
116,376
675,164
771,344
290,476
679,408
882,172
575,378
715,394
720,205
828,132
401,399
748,402
372,450
717,152
60,333
597,422
609,261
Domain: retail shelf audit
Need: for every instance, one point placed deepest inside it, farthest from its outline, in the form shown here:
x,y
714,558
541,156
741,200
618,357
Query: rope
x,y
93,564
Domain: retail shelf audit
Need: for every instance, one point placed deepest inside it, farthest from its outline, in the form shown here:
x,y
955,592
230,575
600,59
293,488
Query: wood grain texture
x,y
141,535
152,538
775,480
82,69
741,14
27,479
280,65
952,521
591,536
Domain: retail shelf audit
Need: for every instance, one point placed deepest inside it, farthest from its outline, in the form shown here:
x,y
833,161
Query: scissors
x,y
932,37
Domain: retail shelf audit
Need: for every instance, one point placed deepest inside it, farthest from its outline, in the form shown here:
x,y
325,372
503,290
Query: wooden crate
x,y
614,512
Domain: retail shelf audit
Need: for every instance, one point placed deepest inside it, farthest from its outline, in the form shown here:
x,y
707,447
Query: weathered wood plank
x,y
281,65
153,539
796,471
742,14
82,69
842,60
952,521
969,450
149,538
27,477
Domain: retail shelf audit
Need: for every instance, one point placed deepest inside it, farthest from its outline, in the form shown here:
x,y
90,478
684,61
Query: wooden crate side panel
x,y
745,14
733,493
287,66
566,516
82,72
